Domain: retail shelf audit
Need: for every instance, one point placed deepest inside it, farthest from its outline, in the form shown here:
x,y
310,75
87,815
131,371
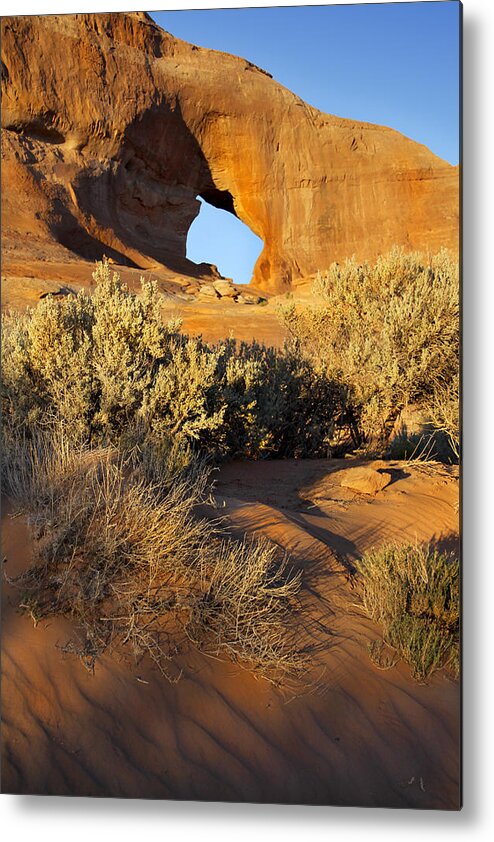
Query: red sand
x,y
365,737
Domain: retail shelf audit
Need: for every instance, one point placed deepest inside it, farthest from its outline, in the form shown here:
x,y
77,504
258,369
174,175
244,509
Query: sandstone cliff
x,y
112,128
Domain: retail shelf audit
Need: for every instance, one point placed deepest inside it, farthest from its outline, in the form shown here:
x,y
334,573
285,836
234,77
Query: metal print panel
x,y
230,379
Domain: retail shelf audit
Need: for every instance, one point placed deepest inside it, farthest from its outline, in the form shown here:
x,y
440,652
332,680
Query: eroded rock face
x,y
112,128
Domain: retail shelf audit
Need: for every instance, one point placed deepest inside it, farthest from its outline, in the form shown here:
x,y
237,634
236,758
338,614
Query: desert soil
x,y
24,282
359,735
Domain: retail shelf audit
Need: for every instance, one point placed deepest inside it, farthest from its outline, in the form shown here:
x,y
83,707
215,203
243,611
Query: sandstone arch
x,y
108,149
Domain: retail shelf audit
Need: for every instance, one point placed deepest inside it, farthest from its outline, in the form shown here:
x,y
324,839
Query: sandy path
x,y
366,737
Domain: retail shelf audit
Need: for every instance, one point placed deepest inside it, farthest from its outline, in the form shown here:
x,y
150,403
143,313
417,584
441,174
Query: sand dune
x,y
359,736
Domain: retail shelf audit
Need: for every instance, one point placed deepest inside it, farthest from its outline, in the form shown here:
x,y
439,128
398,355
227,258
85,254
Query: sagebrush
x,y
413,593
106,367
388,333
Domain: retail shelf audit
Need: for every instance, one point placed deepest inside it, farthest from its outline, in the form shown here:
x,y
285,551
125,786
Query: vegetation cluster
x,y
123,552
413,593
107,368
388,334
110,421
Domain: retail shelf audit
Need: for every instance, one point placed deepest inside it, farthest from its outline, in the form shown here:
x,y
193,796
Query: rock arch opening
x,y
222,238
221,199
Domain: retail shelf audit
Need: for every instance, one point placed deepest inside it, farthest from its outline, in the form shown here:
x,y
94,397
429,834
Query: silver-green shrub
x,y
413,593
109,371
388,332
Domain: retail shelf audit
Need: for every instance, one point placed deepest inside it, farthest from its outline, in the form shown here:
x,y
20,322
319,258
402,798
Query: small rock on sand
x,y
365,480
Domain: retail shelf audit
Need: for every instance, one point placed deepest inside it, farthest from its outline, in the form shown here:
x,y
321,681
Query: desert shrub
x,y
184,398
46,370
107,368
412,592
387,332
127,339
85,361
121,553
445,412
275,403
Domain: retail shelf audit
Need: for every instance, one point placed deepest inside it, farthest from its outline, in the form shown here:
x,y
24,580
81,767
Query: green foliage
x,y
388,332
413,593
107,368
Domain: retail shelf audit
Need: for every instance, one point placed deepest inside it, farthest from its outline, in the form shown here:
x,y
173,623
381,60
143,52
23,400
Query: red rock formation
x,y
112,128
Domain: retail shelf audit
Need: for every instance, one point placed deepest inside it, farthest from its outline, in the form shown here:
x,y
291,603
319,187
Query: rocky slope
x,y
112,128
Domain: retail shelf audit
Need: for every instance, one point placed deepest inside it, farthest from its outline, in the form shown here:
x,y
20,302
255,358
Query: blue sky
x,y
395,64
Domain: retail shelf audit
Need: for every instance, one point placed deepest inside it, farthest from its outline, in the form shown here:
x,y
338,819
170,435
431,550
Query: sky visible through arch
x,y
394,64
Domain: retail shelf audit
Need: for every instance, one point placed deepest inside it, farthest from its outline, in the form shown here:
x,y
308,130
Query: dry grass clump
x,y
445,412
125,557
248,593
412,591
388,333
105,366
